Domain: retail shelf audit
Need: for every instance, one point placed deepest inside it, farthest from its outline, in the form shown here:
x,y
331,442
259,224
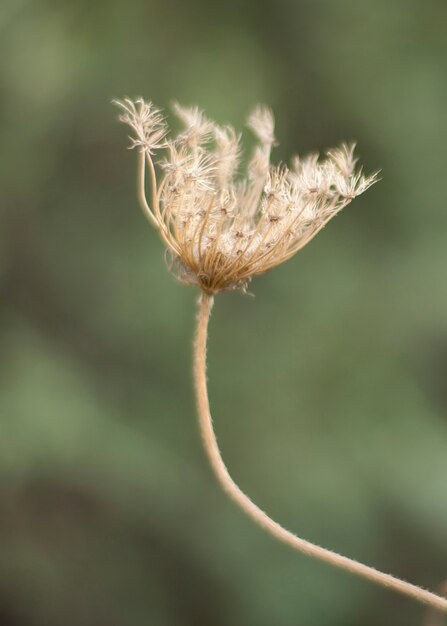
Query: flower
x,y
146,122
222,229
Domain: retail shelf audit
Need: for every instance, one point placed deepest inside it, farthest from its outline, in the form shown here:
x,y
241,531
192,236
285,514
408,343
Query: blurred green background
x,y
328,389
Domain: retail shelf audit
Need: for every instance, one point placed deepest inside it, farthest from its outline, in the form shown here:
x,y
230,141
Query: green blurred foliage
x,y
328,388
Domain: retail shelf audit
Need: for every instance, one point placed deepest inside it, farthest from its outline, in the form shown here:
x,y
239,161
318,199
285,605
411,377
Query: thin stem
x,y
141,184
155,203
155,220
251,509
434,617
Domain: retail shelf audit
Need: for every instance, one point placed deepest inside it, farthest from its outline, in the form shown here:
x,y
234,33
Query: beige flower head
x,y
222,229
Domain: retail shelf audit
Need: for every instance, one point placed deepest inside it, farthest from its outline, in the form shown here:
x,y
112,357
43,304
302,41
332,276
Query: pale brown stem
x,y
252,510
155,204
154,219
434,617
141,184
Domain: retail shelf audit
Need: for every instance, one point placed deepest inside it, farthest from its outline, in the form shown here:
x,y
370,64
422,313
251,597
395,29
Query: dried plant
x,y
220,230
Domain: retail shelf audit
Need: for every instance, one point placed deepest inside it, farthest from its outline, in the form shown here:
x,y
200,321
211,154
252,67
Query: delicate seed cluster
x,y
221,229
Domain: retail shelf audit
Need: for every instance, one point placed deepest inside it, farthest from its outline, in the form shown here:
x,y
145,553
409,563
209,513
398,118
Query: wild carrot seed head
x,y
222,229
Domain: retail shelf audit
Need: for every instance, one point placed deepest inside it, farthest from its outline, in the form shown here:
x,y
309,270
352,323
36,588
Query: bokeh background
x,y
328,388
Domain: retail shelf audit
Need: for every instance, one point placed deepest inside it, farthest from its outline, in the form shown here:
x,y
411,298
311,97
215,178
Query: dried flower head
x,y
221,230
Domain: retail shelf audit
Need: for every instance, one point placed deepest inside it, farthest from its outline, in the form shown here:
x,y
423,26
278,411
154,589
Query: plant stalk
x,y
252,510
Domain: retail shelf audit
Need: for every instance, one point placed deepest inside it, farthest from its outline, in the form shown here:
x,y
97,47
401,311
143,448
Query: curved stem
x,y
155,219
155,201
251,509
141,184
